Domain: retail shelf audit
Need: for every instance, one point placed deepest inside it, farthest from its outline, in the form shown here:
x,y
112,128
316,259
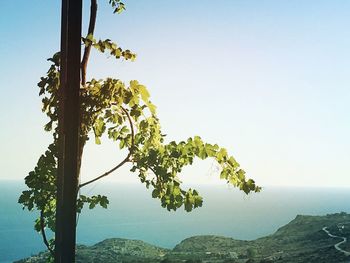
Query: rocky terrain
x,y
309,239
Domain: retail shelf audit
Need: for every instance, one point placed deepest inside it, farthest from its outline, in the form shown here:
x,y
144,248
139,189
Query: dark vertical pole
x,y
59,183
69,123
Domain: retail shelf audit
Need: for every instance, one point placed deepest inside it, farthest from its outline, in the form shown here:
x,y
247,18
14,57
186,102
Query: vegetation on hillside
x,y
301,240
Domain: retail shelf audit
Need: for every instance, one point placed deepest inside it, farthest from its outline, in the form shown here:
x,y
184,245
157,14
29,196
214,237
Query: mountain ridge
x,y
301,240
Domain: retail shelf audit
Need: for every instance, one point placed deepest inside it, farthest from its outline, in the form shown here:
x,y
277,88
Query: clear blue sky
x,y
269,80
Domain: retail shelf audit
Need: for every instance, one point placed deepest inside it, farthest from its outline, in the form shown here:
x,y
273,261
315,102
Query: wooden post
x,y
69,125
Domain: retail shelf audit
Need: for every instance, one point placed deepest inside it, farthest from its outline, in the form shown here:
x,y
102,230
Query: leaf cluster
x,y
166,161
107,45
117,6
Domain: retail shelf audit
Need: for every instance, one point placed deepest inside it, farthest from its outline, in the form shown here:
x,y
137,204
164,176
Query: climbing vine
x,y
125,113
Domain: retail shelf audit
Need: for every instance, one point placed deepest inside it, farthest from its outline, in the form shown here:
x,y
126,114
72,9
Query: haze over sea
x,y
133,214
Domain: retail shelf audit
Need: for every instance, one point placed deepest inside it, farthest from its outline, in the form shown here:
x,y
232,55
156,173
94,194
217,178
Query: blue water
x,y
134,214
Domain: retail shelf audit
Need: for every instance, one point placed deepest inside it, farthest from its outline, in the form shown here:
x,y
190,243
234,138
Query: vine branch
x,y
87,49
108,172
131,128
43,233
126,159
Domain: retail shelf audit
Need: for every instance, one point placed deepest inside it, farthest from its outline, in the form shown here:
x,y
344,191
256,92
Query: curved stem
x,y
158,178
43,233
87,50
127,158
132,129
107,173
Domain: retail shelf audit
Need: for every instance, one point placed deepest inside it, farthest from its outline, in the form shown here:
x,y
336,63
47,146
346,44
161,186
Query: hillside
x,y
304,239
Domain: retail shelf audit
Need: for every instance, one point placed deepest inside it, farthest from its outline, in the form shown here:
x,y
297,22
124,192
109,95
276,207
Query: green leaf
x,y
155,193
90,37
97,140
202,154
151,107
104,201
99,127
144,93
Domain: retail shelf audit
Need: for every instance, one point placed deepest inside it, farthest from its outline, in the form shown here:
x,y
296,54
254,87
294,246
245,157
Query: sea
x,y
134,214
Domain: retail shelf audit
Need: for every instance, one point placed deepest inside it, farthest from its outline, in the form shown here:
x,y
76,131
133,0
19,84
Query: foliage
x,y
251,252
104,45
125,113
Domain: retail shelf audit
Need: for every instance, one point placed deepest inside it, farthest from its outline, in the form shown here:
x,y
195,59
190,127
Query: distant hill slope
x,y
111,250
301,240
120,250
